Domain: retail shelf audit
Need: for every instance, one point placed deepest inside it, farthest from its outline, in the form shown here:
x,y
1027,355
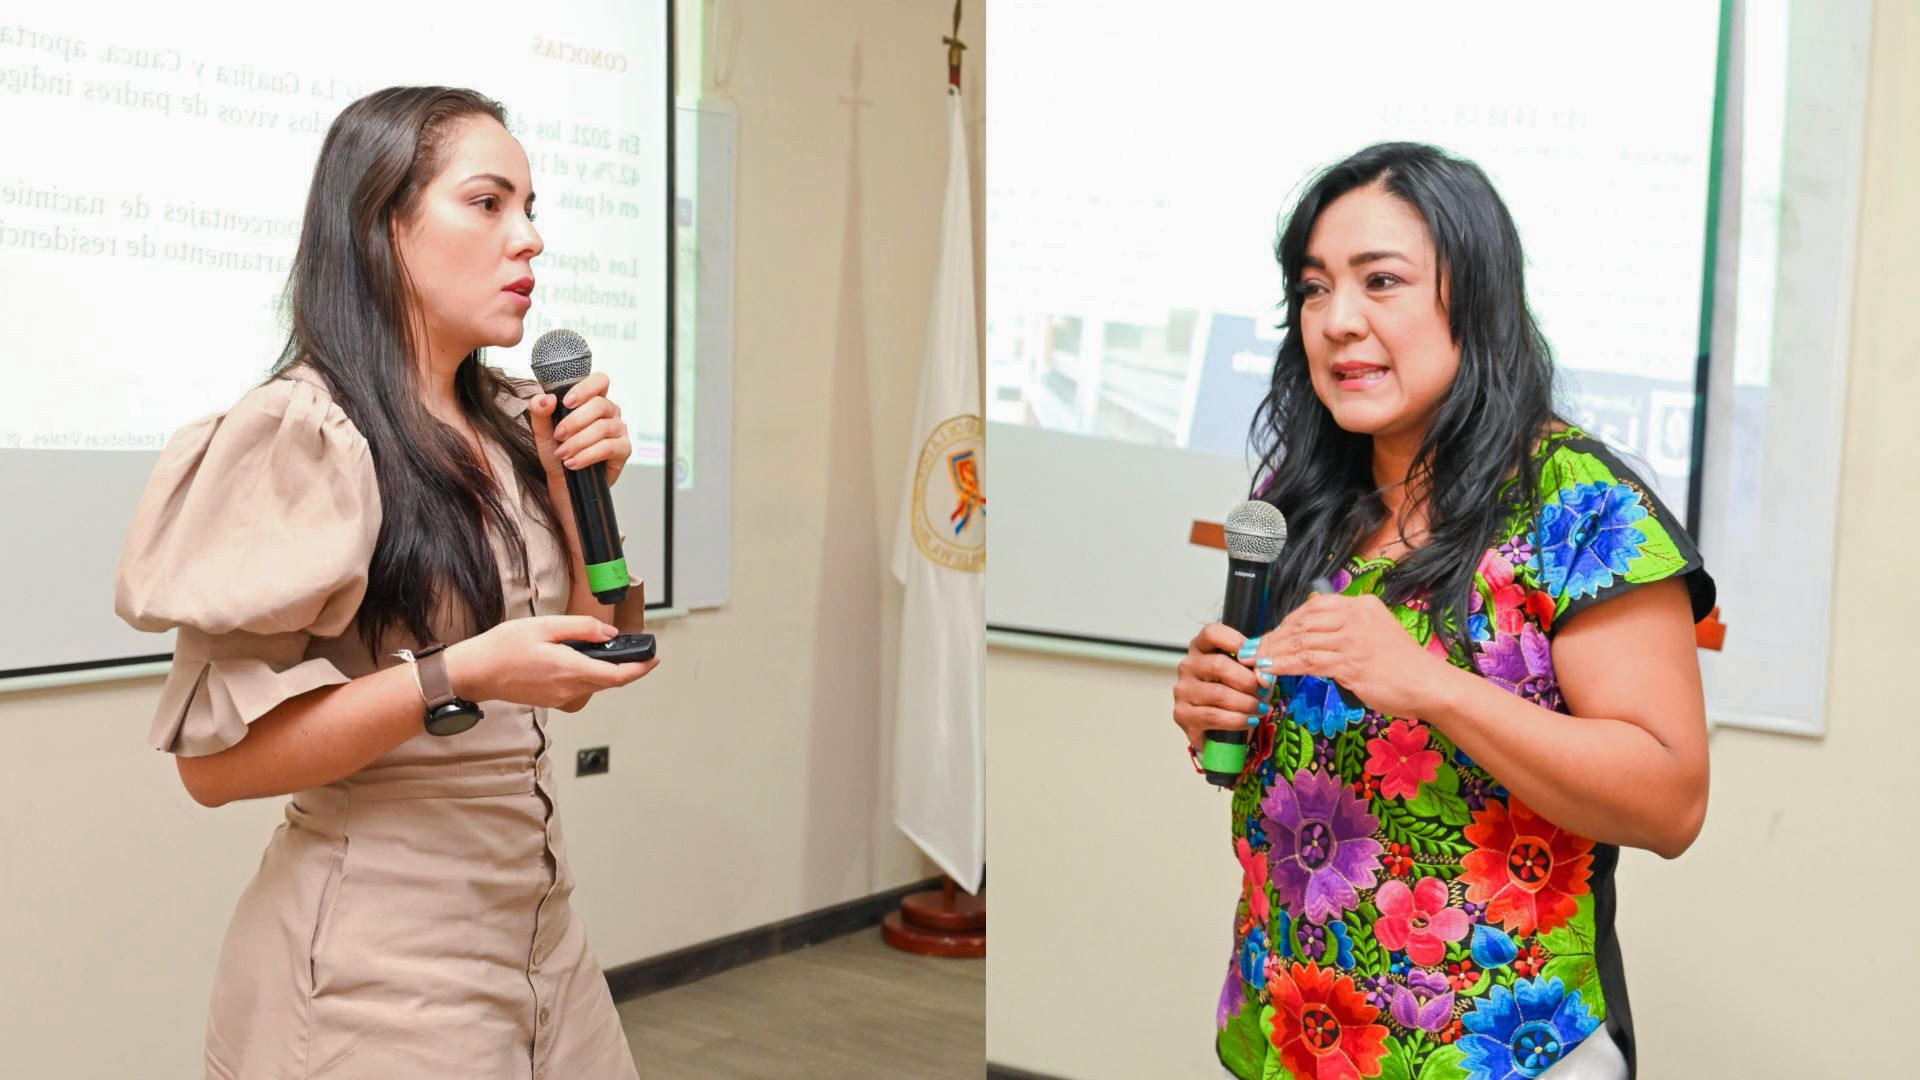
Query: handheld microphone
x,y
560,359
1256,531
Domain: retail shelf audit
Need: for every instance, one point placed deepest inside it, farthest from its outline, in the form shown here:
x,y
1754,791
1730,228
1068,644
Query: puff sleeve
x,y
253,537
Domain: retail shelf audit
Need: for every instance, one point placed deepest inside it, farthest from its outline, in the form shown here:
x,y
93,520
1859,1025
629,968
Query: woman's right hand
x,y
1216,691
521,661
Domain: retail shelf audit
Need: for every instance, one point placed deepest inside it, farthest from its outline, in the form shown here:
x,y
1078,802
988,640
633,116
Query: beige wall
x,y
1779,946
748,771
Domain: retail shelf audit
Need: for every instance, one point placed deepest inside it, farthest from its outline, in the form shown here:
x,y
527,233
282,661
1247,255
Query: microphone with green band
x,y
1256,531
561,359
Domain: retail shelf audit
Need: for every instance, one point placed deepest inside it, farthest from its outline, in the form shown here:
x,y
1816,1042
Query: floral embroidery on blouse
x,y
1402,915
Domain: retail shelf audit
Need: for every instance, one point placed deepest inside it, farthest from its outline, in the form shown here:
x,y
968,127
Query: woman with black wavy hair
x,y
384,494
1486,679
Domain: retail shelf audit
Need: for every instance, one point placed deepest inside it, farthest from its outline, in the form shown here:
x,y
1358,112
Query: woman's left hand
x,y
592,432
1356,642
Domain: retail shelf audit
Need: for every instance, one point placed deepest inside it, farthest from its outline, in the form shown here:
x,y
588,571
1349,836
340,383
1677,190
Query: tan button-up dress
x,y
410,920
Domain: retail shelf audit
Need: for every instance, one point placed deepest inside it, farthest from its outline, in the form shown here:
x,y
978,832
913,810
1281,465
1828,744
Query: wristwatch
x,y
447,712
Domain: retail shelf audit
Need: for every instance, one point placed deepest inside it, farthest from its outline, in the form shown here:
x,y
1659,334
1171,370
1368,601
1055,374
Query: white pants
x,y
1596,1058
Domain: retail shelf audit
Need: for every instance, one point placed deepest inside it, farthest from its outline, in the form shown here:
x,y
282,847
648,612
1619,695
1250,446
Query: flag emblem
x,y
949,496
964,467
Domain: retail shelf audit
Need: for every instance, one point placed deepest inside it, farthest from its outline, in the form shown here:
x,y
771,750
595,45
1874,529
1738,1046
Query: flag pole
x,y
949,921
954,48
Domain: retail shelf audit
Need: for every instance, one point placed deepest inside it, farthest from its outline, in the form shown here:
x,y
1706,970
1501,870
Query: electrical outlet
x,y
590,761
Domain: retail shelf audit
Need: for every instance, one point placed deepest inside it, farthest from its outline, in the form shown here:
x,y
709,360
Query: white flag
x,y
940,555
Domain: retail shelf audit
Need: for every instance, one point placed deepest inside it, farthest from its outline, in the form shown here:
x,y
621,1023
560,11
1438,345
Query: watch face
x,y
453,718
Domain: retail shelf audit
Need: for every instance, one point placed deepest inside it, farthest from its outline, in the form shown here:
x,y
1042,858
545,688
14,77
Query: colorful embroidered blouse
x,y
1401,915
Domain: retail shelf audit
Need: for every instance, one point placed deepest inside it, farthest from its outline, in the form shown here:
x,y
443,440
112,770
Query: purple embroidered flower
x,y
1426,1002
1340,579
1517,550
1232,994
1522,664
1474,789
1473,910
1313,942
1322,753
1376,724
1376,989
1587,536
1323,851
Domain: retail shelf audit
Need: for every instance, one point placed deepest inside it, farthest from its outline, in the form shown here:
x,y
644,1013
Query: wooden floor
x,y
852,1007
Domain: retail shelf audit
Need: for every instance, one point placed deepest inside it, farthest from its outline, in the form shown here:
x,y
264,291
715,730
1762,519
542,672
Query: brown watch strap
x,y
431,665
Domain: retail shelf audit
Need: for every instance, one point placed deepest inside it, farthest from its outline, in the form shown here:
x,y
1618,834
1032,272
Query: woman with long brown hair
x,y
369,534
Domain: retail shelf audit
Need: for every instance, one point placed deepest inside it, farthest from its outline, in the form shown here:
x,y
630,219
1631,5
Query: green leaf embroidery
x,y
1367,955
1433,839
1440,798
1443,871
1242,1045
1574,937
1397,1062
1350,753
1271,1069
1294,751
1415,623
1443,1064
1577,973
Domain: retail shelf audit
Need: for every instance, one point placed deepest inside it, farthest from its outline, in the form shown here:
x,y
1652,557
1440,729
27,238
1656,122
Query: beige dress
x,y
411,920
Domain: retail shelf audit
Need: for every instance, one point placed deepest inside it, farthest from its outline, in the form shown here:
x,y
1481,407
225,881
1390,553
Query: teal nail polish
x,y
1252,720
1247,650
1265,679
1265,662
1265,708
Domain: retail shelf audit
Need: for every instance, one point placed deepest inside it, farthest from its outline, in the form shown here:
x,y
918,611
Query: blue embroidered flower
x,y
1492,947
1283,934
1316,705
1523,1032
1587,536
1343,955
1253,957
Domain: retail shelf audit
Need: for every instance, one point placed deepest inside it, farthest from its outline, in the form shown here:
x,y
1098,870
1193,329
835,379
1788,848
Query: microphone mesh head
x,y
561,357
1256,531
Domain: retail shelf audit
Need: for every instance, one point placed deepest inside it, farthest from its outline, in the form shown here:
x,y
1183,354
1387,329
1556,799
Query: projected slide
x,y
1139,168
150,201
154,176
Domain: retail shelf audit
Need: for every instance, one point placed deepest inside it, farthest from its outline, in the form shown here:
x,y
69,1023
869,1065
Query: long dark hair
x,y
351,302
1483,432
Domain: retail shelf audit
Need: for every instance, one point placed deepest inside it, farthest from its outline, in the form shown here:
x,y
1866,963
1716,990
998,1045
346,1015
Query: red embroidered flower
x,y
1508,597
1366,787
1526,869
1540,606
1461,975
1253,879
1417,921
1528,961
1402,760
1449,1033
1323,1026
1399,859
